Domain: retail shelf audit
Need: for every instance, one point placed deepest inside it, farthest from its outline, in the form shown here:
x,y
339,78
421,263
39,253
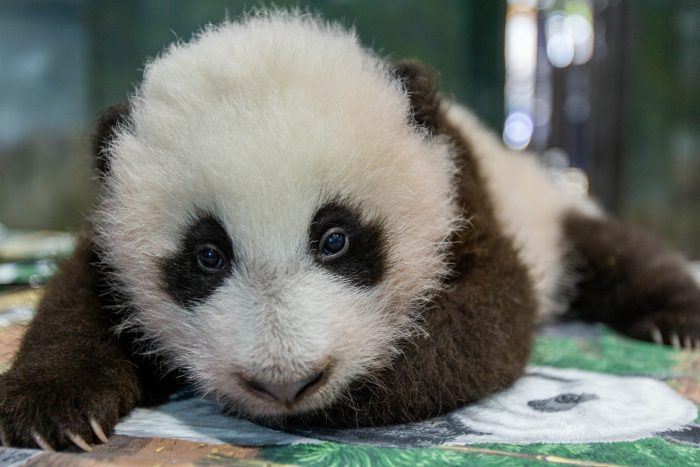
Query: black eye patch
x,y
364,262
190,275
561,403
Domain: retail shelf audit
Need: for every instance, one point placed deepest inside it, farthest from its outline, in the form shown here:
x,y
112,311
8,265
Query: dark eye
x,y
209,258
334,243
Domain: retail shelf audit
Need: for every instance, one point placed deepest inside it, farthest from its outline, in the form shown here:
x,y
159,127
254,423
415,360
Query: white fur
x,y
528,204
261,122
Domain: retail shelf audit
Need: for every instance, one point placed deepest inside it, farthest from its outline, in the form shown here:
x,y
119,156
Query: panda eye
x,y
210,259
334,243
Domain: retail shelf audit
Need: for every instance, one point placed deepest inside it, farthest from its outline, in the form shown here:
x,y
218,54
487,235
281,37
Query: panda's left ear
x,y
419,81
106,126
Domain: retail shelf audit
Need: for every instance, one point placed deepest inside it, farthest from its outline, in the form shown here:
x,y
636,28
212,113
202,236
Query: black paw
x,y
56,415
679,329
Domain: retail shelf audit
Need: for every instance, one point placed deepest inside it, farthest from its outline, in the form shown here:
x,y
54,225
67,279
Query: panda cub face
x,y
272,215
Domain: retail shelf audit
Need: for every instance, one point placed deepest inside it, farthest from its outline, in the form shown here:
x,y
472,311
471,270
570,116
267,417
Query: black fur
x,y
71,367
419,82
105,126
182,277
365,261
632,281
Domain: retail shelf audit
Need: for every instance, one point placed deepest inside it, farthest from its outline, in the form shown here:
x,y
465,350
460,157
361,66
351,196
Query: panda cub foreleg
x,y
73,377
633,282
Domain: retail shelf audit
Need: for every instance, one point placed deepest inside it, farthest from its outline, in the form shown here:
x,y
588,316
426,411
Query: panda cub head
x,y
273,213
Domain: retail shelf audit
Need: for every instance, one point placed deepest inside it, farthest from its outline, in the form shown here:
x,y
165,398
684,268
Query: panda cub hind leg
x,y
632,281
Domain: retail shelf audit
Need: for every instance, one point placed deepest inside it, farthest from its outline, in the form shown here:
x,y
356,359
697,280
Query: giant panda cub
x,y
314,236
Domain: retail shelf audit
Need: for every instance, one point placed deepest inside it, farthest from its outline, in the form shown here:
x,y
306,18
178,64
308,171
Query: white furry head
x,y
259,137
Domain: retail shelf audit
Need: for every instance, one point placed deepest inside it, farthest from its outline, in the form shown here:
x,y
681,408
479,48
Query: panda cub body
x,y
315,236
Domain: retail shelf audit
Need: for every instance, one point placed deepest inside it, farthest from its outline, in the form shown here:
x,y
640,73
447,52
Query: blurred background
x,y
607,91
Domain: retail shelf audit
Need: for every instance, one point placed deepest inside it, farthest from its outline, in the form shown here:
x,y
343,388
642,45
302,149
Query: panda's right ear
x,y
106,126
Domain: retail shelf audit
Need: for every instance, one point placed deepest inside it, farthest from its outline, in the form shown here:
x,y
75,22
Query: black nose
x,y
287,392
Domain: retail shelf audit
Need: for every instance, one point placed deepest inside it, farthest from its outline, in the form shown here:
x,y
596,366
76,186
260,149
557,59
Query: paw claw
x,y
79,441
656,336
41,442
675,341
97,429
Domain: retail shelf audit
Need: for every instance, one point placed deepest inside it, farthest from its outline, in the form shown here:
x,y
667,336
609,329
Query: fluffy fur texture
x,y
237,124
71,368
632,281
530,208
252,143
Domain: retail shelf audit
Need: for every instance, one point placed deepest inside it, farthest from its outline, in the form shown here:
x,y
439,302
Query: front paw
x,y
55,415
677,328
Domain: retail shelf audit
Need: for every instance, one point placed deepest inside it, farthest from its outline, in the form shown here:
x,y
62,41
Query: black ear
x,y
420,84
105,127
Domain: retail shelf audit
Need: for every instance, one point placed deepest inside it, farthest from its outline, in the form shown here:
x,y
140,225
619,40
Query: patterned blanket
x,y
589,397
